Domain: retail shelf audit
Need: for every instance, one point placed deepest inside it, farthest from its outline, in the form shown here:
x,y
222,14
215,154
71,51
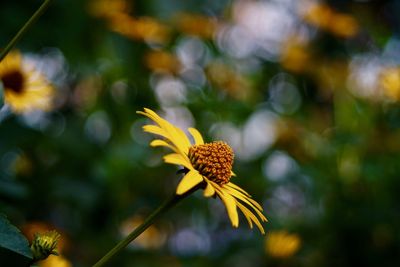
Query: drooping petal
x,y
198,139
246,214
190,180
251,216
252,203
241,195
209,191
230,205
234,186
178,159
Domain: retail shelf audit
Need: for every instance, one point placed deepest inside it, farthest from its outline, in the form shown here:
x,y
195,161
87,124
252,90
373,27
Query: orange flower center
x,y
14,81
213,160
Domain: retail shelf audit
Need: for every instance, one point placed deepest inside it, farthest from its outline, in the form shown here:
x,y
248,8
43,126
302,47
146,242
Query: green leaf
x,y
12,239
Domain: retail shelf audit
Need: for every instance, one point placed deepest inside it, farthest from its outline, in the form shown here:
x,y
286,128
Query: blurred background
x,y
306,92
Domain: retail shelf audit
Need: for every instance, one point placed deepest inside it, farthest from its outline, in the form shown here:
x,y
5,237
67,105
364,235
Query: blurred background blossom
x,y
306,92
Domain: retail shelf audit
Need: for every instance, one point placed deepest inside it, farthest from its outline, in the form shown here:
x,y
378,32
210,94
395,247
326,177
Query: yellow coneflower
x,y
208,165
198,25
162,61
25,89
389,80
108,8
281,244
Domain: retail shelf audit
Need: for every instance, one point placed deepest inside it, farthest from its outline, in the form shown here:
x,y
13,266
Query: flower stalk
x,y
24,28
168,204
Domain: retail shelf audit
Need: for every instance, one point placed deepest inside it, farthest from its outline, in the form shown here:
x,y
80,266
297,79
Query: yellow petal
x,y
252,203
234,186
155,130
190,180
175,135
251,216
198,139
159,142
177,159
243,197
230,205
209,191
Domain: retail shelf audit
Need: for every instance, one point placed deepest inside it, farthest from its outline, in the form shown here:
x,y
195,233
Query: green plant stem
x,y
24,28
141,228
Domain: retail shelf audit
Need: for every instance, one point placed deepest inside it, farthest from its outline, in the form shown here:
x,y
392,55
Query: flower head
x,y
25,89
206,164
45,244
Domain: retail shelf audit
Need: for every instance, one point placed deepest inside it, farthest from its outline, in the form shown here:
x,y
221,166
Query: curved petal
x,y
154,129
209,191
238,194
177,159
252,203
190,180
248,214
198,139
230,205
175,135
159,142
234,186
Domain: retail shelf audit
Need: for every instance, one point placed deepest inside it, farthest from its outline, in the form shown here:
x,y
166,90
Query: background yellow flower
x,y
25,89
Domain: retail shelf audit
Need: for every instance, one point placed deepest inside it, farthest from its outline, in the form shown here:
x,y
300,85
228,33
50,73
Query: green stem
x,y
141,228
24,28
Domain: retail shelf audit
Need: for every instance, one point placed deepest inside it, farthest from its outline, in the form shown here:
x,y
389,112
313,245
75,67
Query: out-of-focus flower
x,y
228,80
331,75
142,28
44,244
161,61
207,165
118,19
108,8
22,165
151,238
344,25
390,82
319,15
25,89
324,17
281,244
295,56
197,25
55,261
